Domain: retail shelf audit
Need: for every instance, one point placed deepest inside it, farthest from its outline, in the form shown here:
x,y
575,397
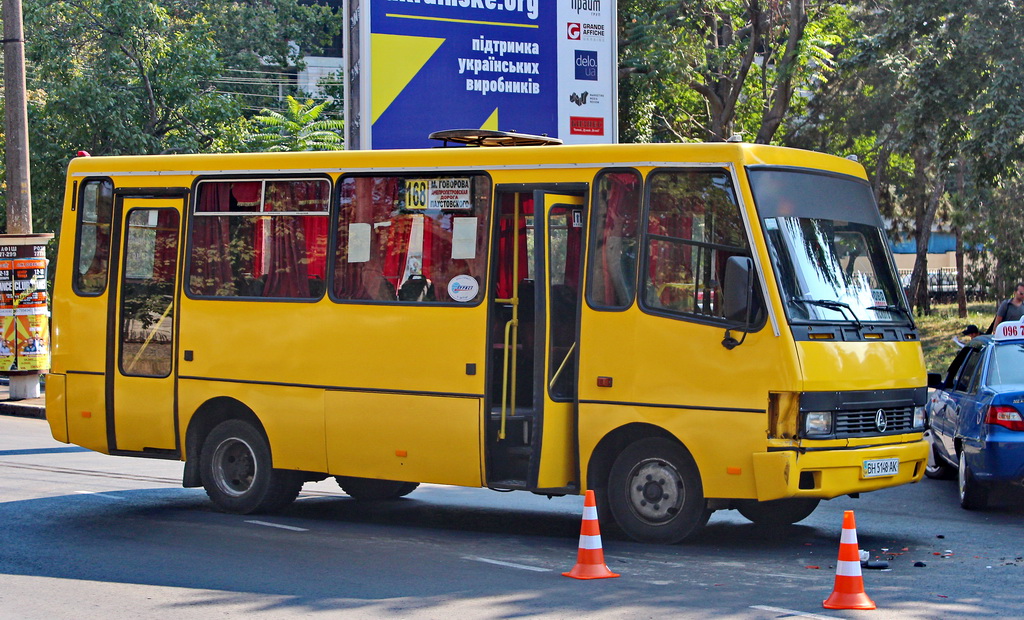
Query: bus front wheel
x,y
655,492
372,489
237,471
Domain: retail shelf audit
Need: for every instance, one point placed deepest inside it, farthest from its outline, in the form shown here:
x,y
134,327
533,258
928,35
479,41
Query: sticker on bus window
x,y
463,288
464,237
445,194
359,235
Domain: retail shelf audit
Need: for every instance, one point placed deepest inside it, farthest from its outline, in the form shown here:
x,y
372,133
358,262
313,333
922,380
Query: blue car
x,y
977,416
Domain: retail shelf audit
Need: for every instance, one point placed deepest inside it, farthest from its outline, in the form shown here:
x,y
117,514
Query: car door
x,y
961,400
973,403
943,407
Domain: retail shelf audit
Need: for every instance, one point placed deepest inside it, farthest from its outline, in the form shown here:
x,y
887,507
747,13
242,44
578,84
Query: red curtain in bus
x,y
165,259
505,240
618,222
573,241
298,251
210,272
371,201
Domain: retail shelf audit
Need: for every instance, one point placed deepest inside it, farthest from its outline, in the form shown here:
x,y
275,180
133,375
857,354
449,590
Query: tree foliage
x,y
139,77
706,69
931,97
299,127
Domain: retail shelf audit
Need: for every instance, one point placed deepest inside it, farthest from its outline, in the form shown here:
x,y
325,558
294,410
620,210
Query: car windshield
x,y
1007,365
827,248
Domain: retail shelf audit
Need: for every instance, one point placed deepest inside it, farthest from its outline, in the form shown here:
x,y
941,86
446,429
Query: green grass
x,y
938,329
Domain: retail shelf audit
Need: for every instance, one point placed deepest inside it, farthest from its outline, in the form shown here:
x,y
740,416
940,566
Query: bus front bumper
x,y
825,473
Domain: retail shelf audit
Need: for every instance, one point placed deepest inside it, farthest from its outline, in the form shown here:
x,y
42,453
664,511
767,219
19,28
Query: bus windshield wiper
x,y
897,310
832,304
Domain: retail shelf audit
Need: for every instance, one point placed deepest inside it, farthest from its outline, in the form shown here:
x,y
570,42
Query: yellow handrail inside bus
x,y
508,397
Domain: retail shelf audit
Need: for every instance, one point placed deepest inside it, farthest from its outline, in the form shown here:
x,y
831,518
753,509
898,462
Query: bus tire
x,y
237,472
655,492
374,490
777,511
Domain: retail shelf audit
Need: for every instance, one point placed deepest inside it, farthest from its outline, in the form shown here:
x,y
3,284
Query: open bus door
x,y
534,326
142,324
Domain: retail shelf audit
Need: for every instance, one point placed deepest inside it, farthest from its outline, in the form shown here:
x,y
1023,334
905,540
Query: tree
x,y
708,68
932,96
298,128
128,77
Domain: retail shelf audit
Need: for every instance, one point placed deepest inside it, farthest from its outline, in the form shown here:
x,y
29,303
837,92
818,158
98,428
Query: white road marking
x,y
790,612
785,576
278,525
97,494
535,569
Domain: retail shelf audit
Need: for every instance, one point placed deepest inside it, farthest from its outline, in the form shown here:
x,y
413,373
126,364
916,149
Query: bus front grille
x,y
867,422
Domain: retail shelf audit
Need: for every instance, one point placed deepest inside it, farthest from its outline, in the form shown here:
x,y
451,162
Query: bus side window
x,y
406,238
260,239
693,228
613,242
92,245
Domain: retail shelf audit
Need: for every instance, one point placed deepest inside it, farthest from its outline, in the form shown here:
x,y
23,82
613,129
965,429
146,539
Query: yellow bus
x,y
683,328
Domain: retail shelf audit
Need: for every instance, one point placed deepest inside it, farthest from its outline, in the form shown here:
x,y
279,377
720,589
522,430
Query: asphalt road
x,y
87,535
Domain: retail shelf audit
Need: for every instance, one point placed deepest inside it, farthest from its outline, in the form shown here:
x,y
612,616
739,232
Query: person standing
x,y
970,332
1012,309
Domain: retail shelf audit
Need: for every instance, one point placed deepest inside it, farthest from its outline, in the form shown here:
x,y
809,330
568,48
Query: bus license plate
x,y
875,468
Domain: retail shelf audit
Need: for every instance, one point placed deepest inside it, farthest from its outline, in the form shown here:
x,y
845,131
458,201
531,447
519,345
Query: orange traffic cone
x,y
590,559
848,592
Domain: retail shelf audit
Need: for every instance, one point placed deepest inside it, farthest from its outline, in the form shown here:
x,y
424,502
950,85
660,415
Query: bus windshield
x,y
827,248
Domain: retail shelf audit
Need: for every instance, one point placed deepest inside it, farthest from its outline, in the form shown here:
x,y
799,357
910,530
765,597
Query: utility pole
x,y
19,195
24,318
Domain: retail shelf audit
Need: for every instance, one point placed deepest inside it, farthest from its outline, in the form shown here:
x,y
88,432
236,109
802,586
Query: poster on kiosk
x,y
543,67
24,318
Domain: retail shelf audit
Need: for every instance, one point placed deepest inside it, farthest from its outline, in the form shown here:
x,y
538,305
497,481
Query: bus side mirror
x,y
738,290
738,296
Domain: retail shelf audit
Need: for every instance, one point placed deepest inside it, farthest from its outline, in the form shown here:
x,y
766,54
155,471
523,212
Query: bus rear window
x,y
412,238
96,205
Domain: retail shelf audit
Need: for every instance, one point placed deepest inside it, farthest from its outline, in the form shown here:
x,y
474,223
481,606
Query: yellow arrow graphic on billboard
x,y
396,61
492,121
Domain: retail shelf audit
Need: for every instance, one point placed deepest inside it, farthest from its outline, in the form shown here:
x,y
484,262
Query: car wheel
x,y
936,468
373,490
655,492
973,495
779,511
237,472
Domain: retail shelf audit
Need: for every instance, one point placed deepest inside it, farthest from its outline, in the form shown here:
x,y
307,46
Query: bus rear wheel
x,y
655,492
237,471
777,511
374,490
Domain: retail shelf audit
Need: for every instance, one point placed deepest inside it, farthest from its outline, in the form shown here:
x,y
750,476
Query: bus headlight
x,y
817,423
920,418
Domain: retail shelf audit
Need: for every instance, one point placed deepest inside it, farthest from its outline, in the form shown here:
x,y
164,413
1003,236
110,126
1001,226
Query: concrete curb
x,y
24,408
27,408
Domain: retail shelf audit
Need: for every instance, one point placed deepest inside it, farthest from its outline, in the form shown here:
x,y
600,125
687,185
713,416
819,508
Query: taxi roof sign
x,y
1008,330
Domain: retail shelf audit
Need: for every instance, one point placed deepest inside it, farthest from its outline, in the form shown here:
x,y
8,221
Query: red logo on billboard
x,y
572,31
586,126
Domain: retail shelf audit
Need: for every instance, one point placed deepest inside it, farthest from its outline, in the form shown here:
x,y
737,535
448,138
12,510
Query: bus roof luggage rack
x,y
490,137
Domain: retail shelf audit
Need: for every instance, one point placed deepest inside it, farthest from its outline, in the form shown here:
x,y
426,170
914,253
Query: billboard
x,y
533,66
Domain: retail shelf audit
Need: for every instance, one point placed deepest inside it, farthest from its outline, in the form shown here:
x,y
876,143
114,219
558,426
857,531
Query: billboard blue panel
x,y
460,64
